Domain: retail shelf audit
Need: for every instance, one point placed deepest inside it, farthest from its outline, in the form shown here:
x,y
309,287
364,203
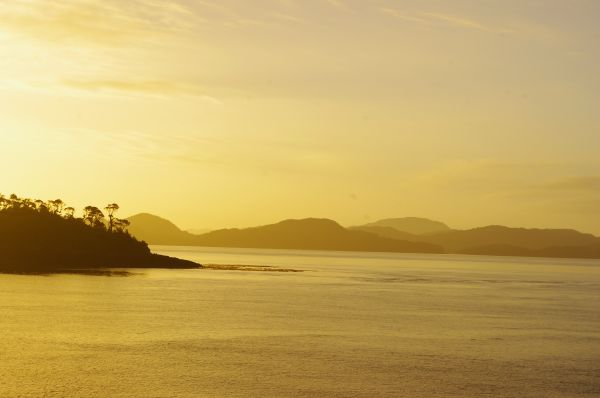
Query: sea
x,y
346,325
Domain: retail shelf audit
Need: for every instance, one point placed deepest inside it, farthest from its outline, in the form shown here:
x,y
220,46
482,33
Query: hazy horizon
x,y
202,230
235,114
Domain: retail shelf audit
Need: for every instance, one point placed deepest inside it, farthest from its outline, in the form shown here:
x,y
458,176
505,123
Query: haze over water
x,y
351,325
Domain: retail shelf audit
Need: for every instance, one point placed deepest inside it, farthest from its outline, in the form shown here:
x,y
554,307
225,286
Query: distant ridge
x,y
311,234
411,225
158,231
325,234
306,234
388,232
496,235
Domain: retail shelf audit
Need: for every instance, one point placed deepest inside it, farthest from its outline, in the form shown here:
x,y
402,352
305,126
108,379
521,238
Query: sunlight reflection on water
x,y
351,325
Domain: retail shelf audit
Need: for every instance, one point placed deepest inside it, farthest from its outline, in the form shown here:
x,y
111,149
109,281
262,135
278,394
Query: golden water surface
x,y
351,325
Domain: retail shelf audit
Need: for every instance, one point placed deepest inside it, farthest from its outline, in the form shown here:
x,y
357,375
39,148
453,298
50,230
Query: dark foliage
x,y
38,236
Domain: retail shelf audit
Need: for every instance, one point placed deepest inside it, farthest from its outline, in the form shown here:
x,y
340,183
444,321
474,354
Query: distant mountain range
x,y
307,234
412,225
402,235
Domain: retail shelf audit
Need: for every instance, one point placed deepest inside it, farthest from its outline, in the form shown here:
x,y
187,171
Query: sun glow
x,y
249,112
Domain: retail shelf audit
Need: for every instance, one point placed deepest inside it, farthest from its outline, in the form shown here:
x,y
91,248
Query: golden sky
x,y
237,113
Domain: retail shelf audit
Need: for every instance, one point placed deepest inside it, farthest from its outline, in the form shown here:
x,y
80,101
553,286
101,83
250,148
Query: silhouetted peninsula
x,y
45,237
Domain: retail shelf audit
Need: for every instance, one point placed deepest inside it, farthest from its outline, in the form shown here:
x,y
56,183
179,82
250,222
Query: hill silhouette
x,y
497,240
500,236
158,231
388,232
311,234
306,234
47,238
589,251
325,234
411,225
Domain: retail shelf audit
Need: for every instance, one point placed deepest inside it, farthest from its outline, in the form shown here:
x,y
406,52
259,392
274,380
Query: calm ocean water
x,y
351,325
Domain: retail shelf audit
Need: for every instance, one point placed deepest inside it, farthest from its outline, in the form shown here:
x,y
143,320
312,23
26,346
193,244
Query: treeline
x,y
92,215
46,236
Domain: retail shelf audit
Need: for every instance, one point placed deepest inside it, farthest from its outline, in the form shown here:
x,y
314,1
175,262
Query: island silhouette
x,y
45,237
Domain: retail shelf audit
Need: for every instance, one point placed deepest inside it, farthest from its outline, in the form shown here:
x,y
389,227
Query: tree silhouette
x,y
93,216
40,205
111,209
56,206
27,203
69,212
120,225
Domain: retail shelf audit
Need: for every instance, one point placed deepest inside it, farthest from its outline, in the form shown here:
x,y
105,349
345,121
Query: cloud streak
x,y
433,18
339,5
457,21
160,88
104,22
399,15
247,156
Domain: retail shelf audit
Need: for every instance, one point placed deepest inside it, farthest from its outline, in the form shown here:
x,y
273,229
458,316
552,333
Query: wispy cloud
x,y
432,18
339,5
161,88
287,17
399,15
457,21
246,156
107,22
142,145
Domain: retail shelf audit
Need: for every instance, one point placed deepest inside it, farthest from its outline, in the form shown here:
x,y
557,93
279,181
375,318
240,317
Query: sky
x,y
235,113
